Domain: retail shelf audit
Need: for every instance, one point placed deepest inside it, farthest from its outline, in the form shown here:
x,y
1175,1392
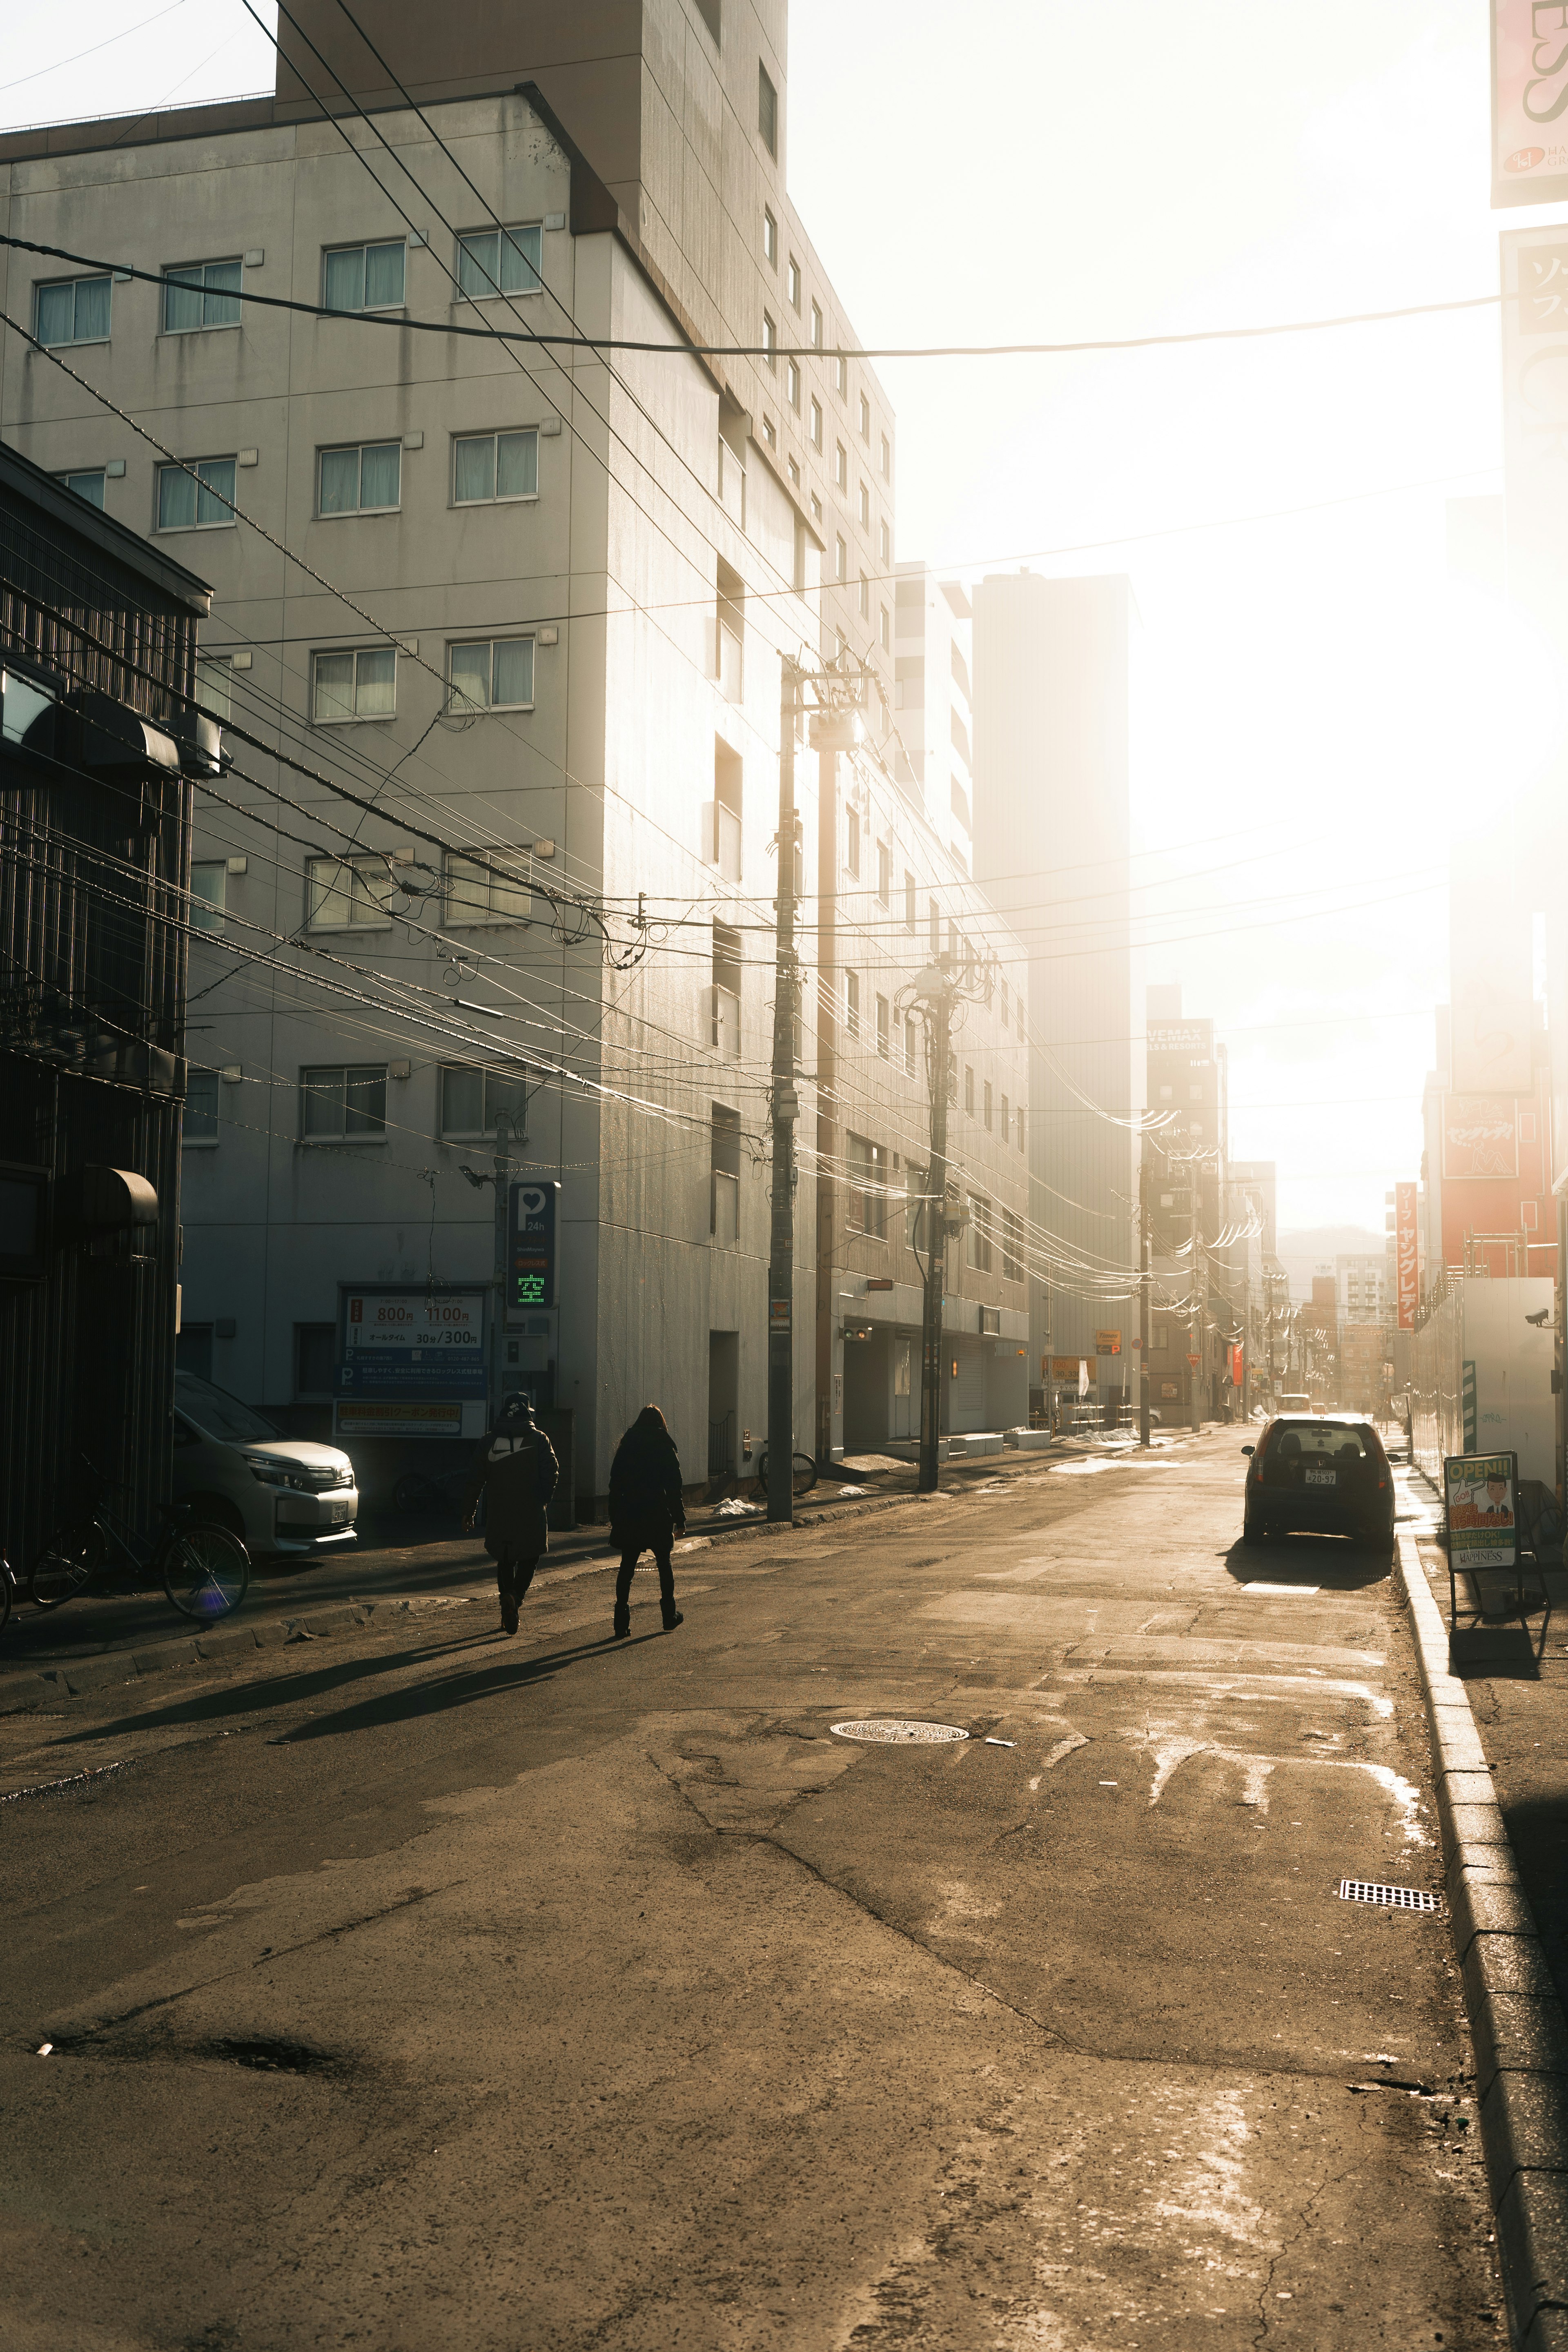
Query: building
x,y
98,741
933,655
1051,837
527,606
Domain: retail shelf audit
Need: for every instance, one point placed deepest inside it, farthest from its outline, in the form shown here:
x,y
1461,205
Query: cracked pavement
x,y
423,1988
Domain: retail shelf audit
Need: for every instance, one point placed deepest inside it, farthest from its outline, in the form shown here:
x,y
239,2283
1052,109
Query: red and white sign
x,y
1235,1357
1480,1133
1530,101
1407,1263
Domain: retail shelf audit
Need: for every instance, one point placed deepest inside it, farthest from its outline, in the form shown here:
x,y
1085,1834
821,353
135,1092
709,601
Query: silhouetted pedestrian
x,y
646,1511
515,1469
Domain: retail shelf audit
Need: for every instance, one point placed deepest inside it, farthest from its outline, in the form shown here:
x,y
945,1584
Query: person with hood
x,y
515,1469
647,1511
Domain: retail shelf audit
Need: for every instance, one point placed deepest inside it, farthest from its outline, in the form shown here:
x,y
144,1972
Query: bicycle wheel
x,y
206,1572
70,1560
805,1470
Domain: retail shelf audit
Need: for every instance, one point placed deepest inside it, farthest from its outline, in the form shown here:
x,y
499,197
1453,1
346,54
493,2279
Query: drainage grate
x,y
1397,1898
895,1732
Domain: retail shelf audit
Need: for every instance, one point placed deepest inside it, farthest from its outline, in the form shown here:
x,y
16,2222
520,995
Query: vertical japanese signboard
x,y
530,1254
1407,1262
1530,102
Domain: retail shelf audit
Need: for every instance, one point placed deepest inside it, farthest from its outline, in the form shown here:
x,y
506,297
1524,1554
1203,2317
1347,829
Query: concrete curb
x,y
1516,2019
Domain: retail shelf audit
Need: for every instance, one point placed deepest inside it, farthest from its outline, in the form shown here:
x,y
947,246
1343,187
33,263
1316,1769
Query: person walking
x,y
515,1470
647,1512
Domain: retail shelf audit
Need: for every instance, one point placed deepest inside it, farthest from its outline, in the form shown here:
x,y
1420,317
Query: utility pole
x,y
786,1110
939,1026
497,1313
1196,1334
1143,1291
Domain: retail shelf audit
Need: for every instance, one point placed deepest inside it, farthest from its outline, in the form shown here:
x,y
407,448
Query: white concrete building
x,y
557,702
933,651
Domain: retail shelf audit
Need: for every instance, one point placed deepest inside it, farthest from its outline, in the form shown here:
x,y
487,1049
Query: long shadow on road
x,y
434,1698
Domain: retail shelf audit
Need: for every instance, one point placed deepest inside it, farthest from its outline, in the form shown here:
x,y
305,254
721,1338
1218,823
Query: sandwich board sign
x,y
1480,1511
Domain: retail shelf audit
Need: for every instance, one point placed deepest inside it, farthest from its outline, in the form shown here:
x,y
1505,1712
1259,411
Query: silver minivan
x,y
278,1493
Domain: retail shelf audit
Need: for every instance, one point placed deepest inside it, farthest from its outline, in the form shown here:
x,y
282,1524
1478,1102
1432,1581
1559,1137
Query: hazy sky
x,y
1313,695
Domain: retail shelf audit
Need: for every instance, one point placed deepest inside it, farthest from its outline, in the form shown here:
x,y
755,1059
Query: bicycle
x,y
205,1570
803,1468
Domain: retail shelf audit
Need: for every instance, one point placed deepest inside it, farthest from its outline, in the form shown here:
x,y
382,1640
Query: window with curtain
x,y
214,684
364,277
490,466
73,311
196,496
359,684
87,486
472,1101
210,878
347,893
867,1186
200,1122
364,479
478,891
495,261
342,1101
202,294
496,674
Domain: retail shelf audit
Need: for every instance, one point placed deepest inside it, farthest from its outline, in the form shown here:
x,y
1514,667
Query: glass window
x,y
363,277
769,237
363,480
792,382
865,418
910,1042
497,674
793,283
343,1101
481,890
886,630
865,598
767,110
841,465
198,496
865,507
87,486
911,917
202,294
214,684
841,375
200,1124
486,466
359,684
74,310
884,1028
842,552
986,1112
887,459
500,261
852,1004
816,326
347,893
868,1186
214,1410
978,1235
816,423
471,1100
209,877
1005,1129
1012,1247
884,873
884,542
770,340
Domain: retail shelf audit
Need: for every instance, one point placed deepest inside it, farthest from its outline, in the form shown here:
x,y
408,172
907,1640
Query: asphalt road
x,y
427,1989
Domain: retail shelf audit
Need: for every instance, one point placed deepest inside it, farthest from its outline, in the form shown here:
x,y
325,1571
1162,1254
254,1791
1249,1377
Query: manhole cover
x,y
1396,1898
895,1733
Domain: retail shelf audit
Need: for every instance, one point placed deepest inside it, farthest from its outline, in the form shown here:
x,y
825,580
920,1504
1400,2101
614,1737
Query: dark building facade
x,y
99,744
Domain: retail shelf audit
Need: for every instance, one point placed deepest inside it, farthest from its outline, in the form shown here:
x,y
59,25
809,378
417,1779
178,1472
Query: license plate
x,y
1322,1477
339,1512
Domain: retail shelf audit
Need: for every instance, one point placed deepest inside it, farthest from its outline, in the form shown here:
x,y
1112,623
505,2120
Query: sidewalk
x,y
92,1640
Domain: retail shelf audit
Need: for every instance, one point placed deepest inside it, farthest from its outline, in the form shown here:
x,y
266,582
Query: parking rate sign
x,y
530,1244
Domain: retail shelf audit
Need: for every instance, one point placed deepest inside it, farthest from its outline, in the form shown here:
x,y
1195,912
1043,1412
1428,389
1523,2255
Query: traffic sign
x,y
1194,1361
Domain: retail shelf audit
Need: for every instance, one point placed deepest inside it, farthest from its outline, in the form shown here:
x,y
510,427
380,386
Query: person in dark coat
x,y
515,1470
646,1511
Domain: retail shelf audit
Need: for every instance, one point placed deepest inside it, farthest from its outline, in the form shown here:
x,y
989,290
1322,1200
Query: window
x,y
74,310
200,1125
724,1175
884,873
841,549
87,486
935,931
1159,1338
201,294
1012,1247
362,277
952,1081
865,507
724,848
725,1029
215,685
910,1043
884,542
489,467
792,383
865,598
472,1101
977,1236
343,1102
363,480
1022,1137
852,1004
769,237
480,889
816,326
770,340
969,1091
495,261
986,1113
910,914
315,1359
208,878
1004,1121
344,893
793,283
767,110
841,466
887,459
195,497
1002,989
496,674
362,685
867,1186
865,418
885,630
841,375
852,840
884,1029
816,423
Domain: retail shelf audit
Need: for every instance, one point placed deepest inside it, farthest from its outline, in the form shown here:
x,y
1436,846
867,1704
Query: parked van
x,y
277,1493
